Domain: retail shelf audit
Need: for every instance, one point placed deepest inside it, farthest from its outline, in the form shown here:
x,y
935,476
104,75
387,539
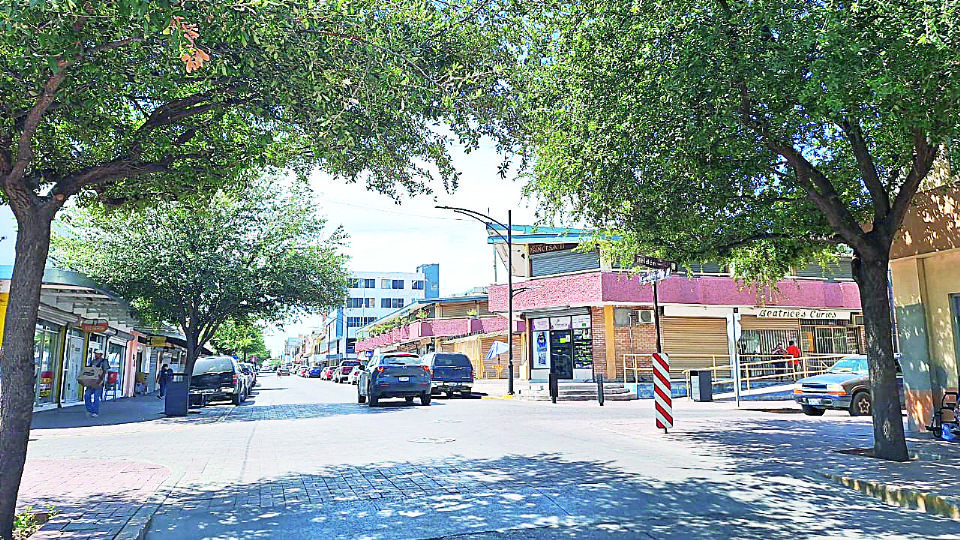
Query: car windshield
x,y
212,365
403,360
451,360
850,365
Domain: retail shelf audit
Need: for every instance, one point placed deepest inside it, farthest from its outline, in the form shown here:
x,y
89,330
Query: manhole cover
x,y
432,440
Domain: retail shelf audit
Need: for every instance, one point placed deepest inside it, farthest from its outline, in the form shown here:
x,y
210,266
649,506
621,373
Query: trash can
x,y
175,403
701,385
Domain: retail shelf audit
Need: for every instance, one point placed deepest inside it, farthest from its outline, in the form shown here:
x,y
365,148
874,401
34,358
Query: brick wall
x,y
636,339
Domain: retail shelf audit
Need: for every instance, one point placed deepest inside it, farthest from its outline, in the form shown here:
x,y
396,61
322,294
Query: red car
x,y
341,372
327,373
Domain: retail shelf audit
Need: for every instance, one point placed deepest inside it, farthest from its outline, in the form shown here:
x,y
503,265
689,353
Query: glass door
x,y
72,362
561,353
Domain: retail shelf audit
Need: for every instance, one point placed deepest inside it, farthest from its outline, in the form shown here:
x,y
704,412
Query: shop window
x,y
763,342
46,352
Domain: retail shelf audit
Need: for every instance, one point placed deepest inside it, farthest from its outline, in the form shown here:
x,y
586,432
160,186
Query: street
x,y
301,459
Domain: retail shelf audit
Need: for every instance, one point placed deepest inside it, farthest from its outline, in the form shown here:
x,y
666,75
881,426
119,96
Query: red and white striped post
x,y
662,401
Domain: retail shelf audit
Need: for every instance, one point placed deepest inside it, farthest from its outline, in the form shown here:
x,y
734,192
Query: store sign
x,y
559,323
581,321
158,341
94,327
541,324
779,313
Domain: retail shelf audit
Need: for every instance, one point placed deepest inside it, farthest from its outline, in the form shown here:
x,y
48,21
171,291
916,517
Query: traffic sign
x,y
653,262
654,276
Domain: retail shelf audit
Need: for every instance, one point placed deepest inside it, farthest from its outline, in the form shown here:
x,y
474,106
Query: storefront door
x,y
72,362
561,353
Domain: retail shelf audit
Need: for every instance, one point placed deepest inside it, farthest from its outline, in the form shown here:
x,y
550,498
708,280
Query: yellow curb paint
x,y
907,498
494,397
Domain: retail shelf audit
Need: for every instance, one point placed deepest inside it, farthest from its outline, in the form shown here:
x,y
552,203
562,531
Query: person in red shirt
x,y
794,351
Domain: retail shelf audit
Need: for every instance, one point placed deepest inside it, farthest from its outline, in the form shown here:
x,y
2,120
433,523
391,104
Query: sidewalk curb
x,y
905,497
136,528
497,397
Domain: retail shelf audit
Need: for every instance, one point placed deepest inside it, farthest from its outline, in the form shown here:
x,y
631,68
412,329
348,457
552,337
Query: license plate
x,y
403,379
813,401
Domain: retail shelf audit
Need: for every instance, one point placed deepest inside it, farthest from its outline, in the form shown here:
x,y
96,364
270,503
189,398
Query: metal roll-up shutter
x,y
752,322
562,262
693,342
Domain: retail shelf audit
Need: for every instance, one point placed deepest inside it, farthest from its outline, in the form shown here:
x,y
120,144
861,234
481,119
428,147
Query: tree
x,y
128,101
251,256
240,338
761,133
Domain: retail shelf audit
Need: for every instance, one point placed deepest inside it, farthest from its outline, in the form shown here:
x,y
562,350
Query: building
x,y
77,318
926,285
454,324
372,295
291,348
581,318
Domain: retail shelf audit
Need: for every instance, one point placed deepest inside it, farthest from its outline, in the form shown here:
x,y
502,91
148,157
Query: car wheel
x,y
425,398
372,399
237,398
449,394
360,397
861,404
812,411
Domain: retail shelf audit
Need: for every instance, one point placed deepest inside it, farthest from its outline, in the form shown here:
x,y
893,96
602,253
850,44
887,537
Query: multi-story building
x,y
373,295
291,348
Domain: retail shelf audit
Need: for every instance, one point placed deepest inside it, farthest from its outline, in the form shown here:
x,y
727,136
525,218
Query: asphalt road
x,y
301,459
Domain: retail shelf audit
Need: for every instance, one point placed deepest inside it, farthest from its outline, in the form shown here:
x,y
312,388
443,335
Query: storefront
x,y
814,331
561,344
47,363
73,359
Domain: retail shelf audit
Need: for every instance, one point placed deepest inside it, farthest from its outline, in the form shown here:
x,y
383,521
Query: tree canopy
x,y
241,338
761,133
254,255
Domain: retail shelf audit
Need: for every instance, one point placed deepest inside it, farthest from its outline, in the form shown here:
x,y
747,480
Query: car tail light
x,y
427,369
379,369
234,378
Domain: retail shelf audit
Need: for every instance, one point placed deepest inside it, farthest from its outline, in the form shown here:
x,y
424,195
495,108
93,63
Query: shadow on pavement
x,y
150,409
539,496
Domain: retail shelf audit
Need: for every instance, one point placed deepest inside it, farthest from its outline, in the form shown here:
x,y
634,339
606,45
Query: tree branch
x,y
923,158
868,171
777,236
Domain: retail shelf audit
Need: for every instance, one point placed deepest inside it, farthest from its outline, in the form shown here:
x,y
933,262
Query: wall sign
x,y
802,313
94,327
581,321
559,323
541,324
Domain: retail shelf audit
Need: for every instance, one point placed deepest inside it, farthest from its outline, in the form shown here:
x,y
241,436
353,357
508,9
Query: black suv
x,y
217,377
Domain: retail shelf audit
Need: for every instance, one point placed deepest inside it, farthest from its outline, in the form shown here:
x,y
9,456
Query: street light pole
x,y
509,240
510,301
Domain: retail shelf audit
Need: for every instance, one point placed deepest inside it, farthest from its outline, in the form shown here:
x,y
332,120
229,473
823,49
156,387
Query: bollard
x,y
554,387
600,388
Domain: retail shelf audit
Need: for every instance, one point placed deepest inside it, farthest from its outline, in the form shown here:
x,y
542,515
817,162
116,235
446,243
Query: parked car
x,y
303,371
250,373
845,386
343,370
355,374
328,373
452,372
392,375
253,371
283,370
218,377
314,372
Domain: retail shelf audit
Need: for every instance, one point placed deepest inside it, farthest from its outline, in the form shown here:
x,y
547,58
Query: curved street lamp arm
x,y
477,216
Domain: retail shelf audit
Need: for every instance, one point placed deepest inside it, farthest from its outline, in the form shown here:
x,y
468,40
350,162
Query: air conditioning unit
x,y
645,316
857,320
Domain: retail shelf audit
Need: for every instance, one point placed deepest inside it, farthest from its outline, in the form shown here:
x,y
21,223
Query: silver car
x,y
393,375
354,375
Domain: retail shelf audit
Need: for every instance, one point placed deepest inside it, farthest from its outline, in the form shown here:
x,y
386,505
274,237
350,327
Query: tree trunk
x,y
17,358
888,439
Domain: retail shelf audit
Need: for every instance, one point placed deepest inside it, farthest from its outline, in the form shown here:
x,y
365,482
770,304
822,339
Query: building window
x,y
355,302
391,283
391,302
418,285
353,283
370,302
357,322
369,283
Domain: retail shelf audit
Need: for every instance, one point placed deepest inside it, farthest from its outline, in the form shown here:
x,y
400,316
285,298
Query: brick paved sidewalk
x,y
95,498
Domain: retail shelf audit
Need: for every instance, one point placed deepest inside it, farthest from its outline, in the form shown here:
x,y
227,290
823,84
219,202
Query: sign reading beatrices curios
x,y
800,313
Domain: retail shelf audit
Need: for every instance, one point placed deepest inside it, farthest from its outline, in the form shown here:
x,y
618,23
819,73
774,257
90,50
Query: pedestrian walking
x,y
794,351
91,393
780,367
163,377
